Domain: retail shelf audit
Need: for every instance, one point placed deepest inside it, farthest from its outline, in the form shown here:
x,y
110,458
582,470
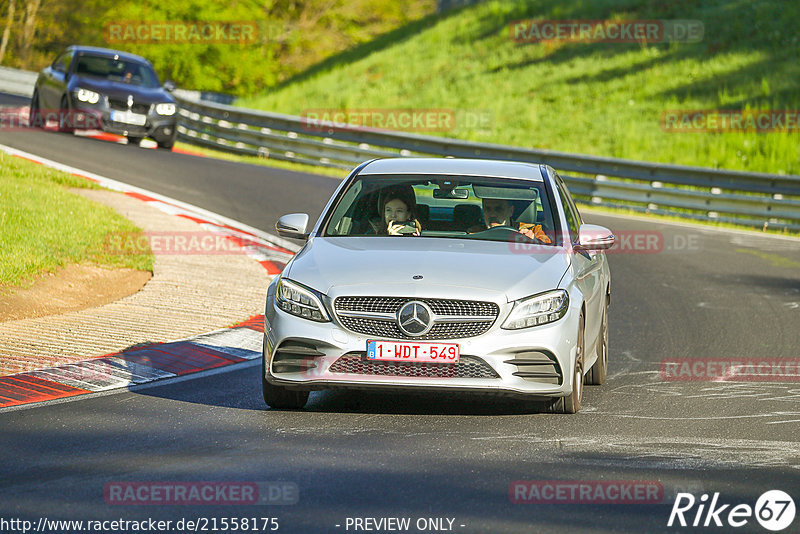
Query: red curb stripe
x,y
179,361
188,152
23,389
139,196
255,322
107,137
86,177
272,267
188,349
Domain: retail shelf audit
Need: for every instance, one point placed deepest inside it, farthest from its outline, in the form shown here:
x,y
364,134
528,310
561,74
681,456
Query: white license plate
x,y
406,351
128,117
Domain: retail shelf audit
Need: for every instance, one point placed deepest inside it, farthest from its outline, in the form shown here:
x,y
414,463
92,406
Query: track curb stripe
x,y
137,365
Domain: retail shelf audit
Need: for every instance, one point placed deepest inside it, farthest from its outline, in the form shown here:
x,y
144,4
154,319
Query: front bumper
x,y
534,362
160,127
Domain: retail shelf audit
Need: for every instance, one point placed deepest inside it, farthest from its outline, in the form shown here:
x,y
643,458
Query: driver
x,y
498,212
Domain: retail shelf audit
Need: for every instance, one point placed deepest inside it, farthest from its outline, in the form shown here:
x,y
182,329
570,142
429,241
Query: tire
x,y
166,144
64,121
134,141
572,403
597,374
35,115
280,398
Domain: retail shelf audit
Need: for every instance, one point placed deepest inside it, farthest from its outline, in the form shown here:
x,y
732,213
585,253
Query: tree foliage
x,y
291,36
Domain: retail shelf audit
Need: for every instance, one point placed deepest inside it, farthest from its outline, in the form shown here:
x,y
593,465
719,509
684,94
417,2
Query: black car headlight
x,y
165,108
85,95
301,301
537,310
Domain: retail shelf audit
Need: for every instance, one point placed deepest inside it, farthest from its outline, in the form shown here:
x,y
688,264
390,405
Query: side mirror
x,y
293,226
169,86
594,237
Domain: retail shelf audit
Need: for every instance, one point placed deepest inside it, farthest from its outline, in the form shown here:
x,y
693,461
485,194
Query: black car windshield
x,y
463,207
117,70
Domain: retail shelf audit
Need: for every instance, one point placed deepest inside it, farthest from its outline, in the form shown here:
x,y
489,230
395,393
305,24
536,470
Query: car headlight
x,y
538,310
165,109
85,95
301,301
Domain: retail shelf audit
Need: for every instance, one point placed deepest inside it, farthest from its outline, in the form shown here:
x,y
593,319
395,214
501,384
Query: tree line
x,y
283,37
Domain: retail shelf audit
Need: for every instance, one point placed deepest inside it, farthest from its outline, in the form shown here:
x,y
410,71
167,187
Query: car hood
x,y
455,268
144,95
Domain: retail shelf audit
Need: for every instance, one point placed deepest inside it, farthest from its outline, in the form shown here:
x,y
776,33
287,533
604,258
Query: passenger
x,y
498,212
398,209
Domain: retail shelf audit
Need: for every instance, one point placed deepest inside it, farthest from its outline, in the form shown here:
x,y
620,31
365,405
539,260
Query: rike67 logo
x,y
774,510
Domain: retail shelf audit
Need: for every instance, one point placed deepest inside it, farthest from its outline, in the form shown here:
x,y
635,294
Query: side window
x,y
62,63
569,211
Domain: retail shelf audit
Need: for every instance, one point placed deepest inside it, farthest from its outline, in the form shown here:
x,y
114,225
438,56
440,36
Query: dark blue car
x,y
102,89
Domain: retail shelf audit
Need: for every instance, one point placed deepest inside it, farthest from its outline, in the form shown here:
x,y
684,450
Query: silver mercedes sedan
x,y
455,275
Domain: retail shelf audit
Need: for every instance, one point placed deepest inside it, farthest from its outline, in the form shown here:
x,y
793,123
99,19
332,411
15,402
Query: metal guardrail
x,y
17,82
749,198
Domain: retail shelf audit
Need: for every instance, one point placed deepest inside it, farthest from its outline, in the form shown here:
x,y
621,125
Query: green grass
x,y
44,226
590,98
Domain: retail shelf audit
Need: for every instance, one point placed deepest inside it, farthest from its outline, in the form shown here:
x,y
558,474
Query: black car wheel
x,y
597,374
277,397
65,116
572,402
168,144
35,115
134,141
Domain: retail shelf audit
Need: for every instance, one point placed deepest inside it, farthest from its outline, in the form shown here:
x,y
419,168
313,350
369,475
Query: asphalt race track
x,y
697,294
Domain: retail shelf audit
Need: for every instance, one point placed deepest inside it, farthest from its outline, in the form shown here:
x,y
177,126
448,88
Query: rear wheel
x,y
280,398
572,402
597,374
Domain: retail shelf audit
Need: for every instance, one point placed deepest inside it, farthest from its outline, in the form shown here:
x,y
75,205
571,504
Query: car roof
x,y
455,166
106,52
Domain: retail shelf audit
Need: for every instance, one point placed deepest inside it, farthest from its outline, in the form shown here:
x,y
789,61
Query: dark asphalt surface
x,y
699,294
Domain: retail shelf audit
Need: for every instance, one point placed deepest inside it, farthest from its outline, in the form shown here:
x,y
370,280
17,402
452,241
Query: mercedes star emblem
x,y
415,318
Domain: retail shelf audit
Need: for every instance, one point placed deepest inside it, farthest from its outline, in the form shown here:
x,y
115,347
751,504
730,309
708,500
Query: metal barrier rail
x,y
749,198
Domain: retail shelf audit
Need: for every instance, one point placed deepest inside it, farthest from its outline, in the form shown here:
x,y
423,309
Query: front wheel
x,y
134,141
35,116
572,402
65,117
280,398
166,144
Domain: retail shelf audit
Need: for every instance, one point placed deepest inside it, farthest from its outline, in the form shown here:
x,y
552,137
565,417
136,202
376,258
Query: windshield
x,y
468,207
117,70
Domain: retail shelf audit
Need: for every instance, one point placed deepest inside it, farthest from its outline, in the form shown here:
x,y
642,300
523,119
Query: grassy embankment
x,y
44,226
591,98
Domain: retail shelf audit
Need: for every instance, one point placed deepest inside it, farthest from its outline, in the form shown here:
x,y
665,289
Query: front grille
x,y
122,105
446,310
439,306
467,367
